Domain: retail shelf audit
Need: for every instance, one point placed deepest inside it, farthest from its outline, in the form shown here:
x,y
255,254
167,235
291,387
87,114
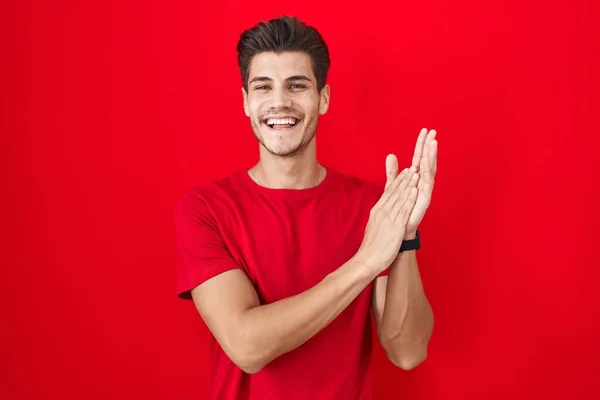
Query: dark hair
x,y
283,34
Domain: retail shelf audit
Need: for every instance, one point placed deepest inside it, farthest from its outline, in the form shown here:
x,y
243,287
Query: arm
x,y
253,335
403,315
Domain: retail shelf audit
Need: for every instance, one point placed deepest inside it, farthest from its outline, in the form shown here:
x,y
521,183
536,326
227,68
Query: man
x,y
285,260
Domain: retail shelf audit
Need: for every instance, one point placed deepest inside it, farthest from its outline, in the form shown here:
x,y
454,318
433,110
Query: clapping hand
x,y
424,163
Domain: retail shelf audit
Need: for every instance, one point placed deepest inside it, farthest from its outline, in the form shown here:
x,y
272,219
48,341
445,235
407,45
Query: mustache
x,y
283,111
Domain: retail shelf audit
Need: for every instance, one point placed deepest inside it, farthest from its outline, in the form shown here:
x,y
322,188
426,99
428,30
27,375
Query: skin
x,y
287,159
403,315
253,334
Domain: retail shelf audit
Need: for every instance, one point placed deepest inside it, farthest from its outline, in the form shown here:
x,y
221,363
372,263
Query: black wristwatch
x,y
413,244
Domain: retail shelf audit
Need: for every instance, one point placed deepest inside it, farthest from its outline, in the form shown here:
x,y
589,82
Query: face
x,y
283,102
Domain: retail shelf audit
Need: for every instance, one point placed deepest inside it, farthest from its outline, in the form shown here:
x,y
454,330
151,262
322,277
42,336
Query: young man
x,y
285,260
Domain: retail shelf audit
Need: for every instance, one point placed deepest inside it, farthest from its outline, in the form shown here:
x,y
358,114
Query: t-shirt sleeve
x,y
200,249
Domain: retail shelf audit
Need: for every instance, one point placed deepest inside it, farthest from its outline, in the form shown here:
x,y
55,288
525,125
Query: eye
x,y
298,86
263,87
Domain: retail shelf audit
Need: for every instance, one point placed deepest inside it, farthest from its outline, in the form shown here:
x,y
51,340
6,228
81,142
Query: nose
x,y
281,98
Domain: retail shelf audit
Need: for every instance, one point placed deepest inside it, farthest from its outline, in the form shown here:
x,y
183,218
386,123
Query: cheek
x,y
312,110
257,108
254,111
308,106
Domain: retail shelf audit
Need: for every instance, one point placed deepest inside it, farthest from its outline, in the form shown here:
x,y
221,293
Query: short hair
x,y
279,35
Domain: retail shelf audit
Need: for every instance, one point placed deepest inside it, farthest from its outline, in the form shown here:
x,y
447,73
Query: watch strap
x,y
412,244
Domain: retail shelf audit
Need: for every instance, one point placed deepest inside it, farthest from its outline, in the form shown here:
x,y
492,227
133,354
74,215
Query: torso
x,y
287,241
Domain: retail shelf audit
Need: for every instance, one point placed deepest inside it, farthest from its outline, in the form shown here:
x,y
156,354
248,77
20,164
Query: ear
x,y
324,100
246,108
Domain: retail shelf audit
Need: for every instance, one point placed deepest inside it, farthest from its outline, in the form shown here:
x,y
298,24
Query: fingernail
x,y
413,169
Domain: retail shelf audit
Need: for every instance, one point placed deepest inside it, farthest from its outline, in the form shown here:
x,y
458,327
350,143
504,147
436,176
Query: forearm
x,y
270,330
407,321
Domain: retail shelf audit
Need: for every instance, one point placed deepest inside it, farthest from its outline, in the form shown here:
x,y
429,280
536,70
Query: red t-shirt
x,y
286,241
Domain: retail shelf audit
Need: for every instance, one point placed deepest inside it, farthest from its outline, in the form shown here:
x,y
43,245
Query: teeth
x,y
281,121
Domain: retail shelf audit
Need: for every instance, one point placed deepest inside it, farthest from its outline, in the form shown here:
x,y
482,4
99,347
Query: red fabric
x,y
286,241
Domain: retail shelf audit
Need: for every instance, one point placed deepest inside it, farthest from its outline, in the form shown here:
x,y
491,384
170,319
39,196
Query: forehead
x,y
280,66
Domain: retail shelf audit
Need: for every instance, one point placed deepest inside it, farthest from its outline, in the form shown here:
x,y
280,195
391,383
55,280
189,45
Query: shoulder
x,y
205,197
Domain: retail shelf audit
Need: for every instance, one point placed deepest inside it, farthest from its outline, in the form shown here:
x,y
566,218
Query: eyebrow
x,y
291,78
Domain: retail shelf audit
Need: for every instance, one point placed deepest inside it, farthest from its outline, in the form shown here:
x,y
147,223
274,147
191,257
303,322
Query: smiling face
x,y
283,102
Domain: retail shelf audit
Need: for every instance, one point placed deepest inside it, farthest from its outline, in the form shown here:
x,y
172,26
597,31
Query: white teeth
x,y
281,121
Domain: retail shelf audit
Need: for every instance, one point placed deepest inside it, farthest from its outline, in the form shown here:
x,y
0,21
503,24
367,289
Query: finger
x,y
406,208
410,179
426,169
416,161
391,168
410,205
403,192
430,136
433,150
396,188
426,193
427,140
403,174
390,188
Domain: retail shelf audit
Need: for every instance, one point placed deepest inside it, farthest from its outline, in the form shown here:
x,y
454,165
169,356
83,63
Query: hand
x,y
388,218
425,163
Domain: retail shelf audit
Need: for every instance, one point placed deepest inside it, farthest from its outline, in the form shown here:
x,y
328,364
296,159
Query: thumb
x,y
391,168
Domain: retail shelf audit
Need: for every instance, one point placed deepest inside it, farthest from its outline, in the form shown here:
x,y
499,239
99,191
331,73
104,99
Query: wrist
x,y
410,235
369,265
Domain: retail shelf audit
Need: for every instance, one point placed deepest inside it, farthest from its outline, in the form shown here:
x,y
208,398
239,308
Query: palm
x,y
425,160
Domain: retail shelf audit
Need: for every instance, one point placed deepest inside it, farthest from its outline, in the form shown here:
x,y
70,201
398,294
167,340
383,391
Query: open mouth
x,y
281,123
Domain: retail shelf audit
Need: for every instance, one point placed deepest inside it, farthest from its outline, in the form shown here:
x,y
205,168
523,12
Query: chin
x,y
281,145
283,151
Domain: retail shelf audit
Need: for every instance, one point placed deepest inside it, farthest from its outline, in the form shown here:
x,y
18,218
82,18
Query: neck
x,y
301,171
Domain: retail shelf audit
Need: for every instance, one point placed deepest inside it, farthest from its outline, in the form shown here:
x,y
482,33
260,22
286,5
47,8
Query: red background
x,y
111,109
